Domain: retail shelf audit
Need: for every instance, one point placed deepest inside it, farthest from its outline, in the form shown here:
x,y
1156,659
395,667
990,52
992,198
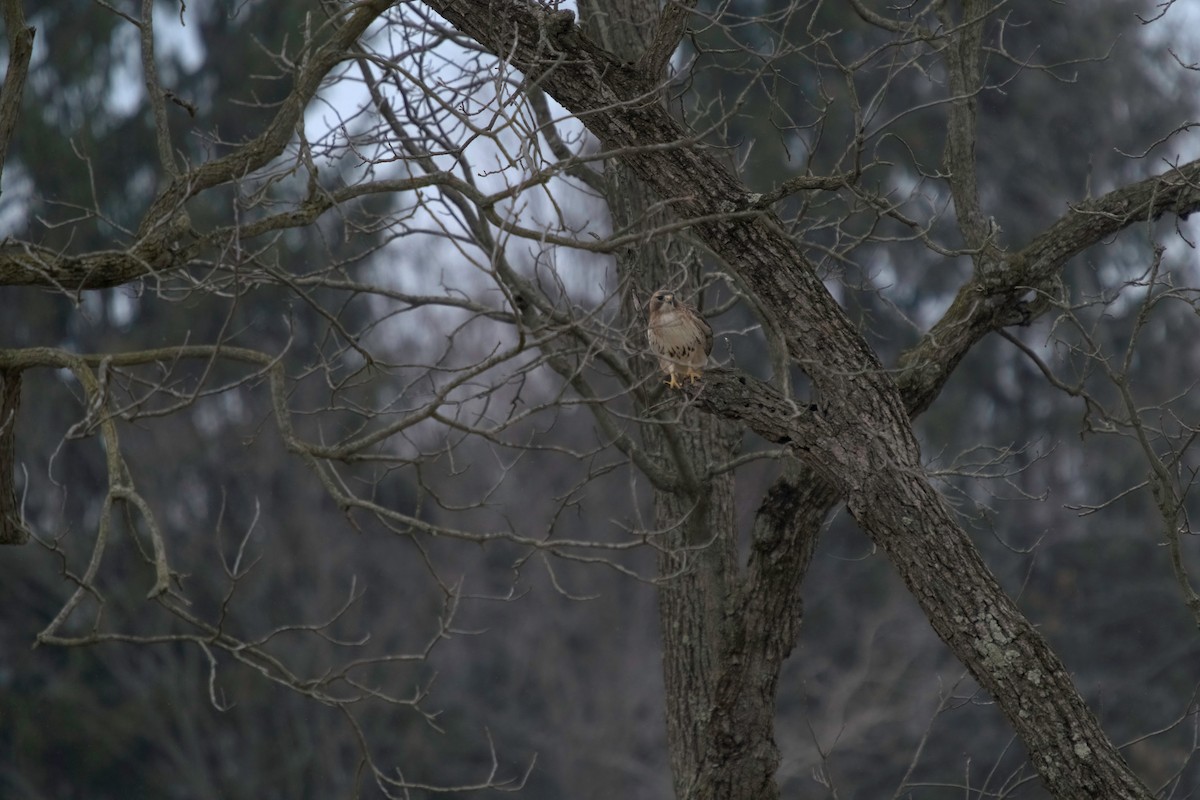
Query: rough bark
x,y
12,529
20,49
741,756
697,566
697,552
862,443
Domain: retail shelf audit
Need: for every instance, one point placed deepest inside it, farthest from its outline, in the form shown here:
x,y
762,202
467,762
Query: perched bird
x,y
679,337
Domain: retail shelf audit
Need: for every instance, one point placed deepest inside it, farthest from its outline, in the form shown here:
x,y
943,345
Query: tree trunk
x,y
697,561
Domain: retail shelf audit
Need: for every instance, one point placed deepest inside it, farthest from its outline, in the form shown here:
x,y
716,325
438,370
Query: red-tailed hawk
x,y
679,337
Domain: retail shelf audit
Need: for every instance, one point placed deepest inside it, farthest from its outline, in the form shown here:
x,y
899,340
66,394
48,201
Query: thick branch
x,y
12,529
20,48
995,299
23,264
672,24
1176,191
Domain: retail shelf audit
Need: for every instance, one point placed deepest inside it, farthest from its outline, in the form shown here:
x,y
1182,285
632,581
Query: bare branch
x,y
155,94
20,48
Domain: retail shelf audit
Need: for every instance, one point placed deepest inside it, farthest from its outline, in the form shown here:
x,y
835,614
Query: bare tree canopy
x,y
348,449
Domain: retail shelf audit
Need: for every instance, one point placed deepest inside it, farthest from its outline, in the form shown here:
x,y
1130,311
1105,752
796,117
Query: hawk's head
x,y
660,300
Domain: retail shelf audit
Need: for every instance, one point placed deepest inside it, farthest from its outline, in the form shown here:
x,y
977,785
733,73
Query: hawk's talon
x,y
674,382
